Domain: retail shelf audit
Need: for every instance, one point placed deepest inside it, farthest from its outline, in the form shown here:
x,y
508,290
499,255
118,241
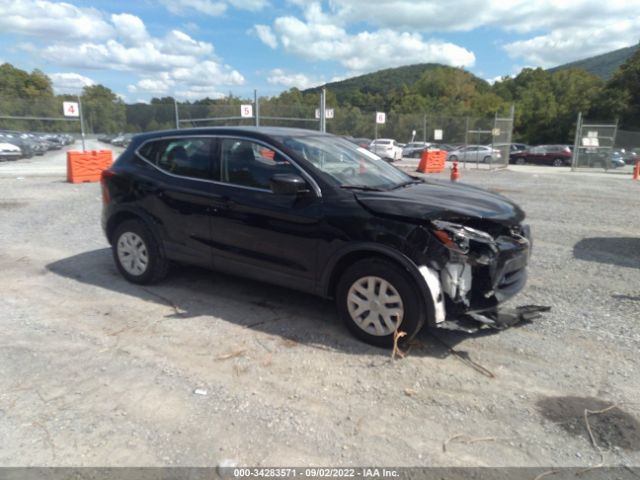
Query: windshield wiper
x,y
364,188
406,184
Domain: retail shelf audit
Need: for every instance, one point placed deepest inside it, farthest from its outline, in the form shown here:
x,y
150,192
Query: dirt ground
x,y
207,369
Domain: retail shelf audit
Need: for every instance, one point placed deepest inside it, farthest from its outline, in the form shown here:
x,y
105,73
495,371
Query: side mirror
x,y
288,184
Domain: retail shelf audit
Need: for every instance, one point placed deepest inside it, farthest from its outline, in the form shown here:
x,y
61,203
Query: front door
x,y
255,232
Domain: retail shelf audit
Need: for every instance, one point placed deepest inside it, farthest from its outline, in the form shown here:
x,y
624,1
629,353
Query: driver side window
x,y
251,164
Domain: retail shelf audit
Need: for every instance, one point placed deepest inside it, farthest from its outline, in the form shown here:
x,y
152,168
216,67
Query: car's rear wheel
x,y
558,162
137,254
376,298
486,159
520,161
453,158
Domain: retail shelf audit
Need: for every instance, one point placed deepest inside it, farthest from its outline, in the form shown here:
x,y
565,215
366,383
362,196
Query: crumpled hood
x,y
433,200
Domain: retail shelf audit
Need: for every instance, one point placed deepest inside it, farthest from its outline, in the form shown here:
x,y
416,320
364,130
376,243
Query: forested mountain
x,y
603,66
378,83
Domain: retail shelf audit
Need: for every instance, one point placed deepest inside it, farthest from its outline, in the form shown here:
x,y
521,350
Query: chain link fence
x,y
602,146
108,118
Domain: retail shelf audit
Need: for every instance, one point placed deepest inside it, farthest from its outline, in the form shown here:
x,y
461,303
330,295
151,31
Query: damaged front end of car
x,y
473,267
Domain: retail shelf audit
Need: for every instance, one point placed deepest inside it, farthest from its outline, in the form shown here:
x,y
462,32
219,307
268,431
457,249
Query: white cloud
x,y
130,29
265,34
288,80
565,29
196,93
63,82
202,80
213,8
251,5
574,43
207,7
86,38
321,37
53,20
466,15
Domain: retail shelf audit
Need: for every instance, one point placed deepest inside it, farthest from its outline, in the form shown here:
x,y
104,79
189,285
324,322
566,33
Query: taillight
x,y
106,198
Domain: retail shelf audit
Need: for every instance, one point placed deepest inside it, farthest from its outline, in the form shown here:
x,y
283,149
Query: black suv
x,y
315,212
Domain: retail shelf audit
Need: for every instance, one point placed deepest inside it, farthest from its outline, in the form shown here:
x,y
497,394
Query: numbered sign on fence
x,y
381,117
246,111
70,109
328,113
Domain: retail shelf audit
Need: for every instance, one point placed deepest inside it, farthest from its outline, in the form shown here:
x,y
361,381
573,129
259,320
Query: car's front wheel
x,y
376,298
137,254
452,158
520,161
558,162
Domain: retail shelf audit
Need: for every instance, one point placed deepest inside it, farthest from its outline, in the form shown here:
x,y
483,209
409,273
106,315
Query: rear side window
x,y
187,157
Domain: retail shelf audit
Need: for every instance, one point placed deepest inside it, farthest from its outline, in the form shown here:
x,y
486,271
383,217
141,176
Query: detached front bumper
x,y
470,286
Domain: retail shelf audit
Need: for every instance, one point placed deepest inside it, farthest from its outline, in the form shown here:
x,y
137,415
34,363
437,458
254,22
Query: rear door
x,y
255,232
179,193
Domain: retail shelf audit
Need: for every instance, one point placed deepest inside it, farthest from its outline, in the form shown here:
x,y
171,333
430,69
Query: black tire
x,y
558,162
413,315
486,159
157,266
452,158
520,161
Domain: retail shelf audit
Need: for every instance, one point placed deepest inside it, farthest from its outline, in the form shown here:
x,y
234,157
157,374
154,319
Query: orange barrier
x,y
636,170
432,161
455,172
87,166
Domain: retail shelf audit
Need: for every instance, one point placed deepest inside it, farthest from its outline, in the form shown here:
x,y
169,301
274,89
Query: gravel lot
x,y
207,369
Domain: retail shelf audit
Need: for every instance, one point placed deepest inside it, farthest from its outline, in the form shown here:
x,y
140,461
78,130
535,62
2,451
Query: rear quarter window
x,y
187,157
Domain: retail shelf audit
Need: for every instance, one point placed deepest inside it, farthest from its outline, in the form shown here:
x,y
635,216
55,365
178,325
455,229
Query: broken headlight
x,y
457,237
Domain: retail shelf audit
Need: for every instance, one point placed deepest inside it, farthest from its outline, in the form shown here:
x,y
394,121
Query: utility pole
x,y
175,106
424,127
323,99
84,149
256,103
576,143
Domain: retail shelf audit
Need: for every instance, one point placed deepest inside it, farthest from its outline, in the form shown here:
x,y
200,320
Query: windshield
x,y
347,165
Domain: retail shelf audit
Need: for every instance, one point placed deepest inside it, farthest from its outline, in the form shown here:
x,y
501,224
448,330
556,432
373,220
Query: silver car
x,y
386,148
475,153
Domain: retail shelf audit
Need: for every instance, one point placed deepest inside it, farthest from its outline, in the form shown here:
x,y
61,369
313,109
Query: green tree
x,y
103,110
621,96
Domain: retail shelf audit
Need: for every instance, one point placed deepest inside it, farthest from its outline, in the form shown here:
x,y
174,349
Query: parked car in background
x,y
54,141
9,151
629,155
395,252
443,146
617,159
556,155
25,145
600,157
40,147
414,149
106,138
475,153
386,148
514,149
122,140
